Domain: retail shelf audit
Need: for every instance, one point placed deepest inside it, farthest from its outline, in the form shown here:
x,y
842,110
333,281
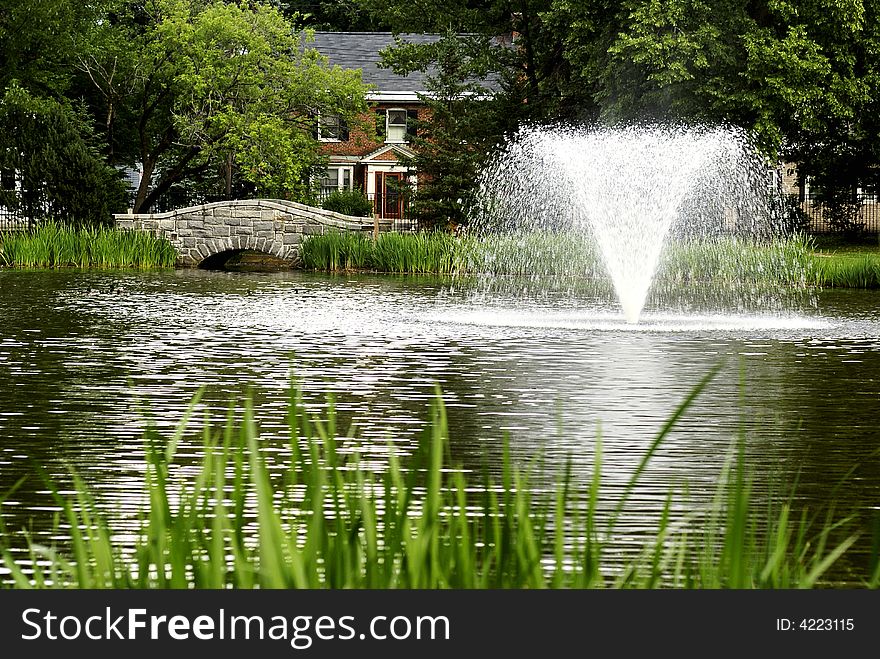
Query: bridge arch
x,y
214,246
271,226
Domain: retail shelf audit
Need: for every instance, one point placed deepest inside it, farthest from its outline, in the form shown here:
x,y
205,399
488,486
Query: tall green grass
x,y
723,262
413,253
736,261
318,518
716,261
847,271
53,245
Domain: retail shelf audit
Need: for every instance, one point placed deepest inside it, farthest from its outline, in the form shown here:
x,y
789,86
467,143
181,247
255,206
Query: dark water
x,y
83,355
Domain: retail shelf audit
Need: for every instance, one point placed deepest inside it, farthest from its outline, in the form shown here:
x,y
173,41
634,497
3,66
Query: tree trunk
x,y
146,180
229,176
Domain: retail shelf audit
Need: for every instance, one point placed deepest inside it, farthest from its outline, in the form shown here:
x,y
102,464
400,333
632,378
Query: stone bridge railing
x,y
271,226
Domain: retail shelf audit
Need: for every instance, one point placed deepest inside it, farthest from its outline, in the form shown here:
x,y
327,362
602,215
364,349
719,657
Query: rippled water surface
x,y
84,357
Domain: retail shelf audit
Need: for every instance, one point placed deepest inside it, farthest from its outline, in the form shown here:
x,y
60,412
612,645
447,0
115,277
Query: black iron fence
x,y
13,221
859,214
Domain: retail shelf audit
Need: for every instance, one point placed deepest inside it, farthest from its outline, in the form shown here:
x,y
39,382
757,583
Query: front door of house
x,y
389,200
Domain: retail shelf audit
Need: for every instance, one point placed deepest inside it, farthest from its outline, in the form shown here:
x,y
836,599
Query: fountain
x,y
626,190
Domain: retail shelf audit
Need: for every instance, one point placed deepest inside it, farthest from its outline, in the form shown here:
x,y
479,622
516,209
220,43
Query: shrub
x,y
349,202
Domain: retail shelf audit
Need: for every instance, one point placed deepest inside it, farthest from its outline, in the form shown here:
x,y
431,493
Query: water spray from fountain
x,y
626,190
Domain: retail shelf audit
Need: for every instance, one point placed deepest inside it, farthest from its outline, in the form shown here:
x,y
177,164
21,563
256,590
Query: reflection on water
x,y
85,357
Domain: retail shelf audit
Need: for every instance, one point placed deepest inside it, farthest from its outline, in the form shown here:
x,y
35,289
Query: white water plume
x,y
629,189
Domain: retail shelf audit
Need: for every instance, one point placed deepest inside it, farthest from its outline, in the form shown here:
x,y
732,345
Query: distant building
x,y
357,160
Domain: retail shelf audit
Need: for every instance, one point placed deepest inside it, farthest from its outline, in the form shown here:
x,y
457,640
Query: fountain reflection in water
x,y
625,191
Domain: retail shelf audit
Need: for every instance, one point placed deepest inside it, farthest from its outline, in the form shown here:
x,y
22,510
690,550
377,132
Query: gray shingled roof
x,y
361,50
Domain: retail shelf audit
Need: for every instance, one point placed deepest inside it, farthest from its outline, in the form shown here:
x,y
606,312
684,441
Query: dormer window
x,y
395,125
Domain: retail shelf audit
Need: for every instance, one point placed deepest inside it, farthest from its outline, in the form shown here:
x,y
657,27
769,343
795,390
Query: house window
x,y
395,126
866,194
7,179
332,128
336,178
808,196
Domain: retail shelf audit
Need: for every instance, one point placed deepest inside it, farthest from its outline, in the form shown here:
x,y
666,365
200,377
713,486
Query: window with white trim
x,y
395,125
336,178
332,128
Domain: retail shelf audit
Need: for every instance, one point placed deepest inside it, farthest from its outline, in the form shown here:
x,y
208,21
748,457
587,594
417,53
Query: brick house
x,y
373,164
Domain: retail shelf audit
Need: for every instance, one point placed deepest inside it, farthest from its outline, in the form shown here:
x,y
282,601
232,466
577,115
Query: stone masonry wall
x,y
271,226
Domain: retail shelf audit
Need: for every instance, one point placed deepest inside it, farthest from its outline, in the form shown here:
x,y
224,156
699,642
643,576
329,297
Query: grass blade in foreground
x,y
316,519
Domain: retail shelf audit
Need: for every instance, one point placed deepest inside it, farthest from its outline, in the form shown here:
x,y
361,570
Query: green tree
x,y
333,15
507,44
61,174
38,39
525,40
210,89
802,76
461,123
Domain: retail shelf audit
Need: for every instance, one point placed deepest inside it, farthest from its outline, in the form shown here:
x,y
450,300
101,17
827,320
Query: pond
x,y
86,357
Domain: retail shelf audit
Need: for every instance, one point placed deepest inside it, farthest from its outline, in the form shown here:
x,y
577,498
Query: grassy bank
x,y
316,519
53,245
848,269
415,253
791,262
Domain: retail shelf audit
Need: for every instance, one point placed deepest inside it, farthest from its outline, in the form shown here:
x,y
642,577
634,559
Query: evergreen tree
x,y
461,124
61,175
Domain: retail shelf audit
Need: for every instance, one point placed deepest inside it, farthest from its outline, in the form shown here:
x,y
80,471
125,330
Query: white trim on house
x,y
336,159
343,175
391,146
394,97
388,165
417,97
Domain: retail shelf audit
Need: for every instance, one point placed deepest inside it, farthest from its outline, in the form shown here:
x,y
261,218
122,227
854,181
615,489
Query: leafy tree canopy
x,y
461,124
803,76
193,88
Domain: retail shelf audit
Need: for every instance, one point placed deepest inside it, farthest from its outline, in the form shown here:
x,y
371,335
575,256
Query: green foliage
x,y
848,271
803,77
841,208
348,202
424,252
38,43
724,262
220,97
795,220
720,264
53,245
323,520
332,15
214,91
462,123
337,251
737,262
49,147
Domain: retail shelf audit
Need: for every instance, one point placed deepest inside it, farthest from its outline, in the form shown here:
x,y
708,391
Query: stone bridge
x,y
270,226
